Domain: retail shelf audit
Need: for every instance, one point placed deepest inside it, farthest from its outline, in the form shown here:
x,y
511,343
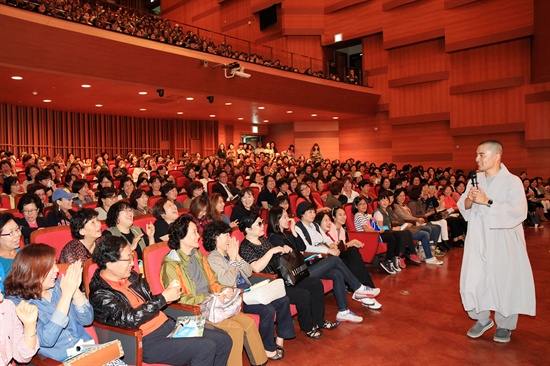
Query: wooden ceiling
x,y
56,57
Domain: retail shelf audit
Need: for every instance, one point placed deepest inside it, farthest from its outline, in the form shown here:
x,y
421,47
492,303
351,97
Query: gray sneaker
x,y
502,335
478,329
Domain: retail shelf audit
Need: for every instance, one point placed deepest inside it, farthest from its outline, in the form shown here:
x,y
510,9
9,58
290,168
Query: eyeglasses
x,y
30,211
12,233
126,260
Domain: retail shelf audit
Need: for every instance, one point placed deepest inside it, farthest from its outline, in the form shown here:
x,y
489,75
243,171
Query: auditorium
x,y
317,108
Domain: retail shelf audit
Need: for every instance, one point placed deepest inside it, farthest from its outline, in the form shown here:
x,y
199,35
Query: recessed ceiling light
x,y
228,103
240,118
314,115
266,120
142,109
142,93
99,105
180,112
189,98
334,117
212,115
261,107
47,100
289,112
86,86
17,77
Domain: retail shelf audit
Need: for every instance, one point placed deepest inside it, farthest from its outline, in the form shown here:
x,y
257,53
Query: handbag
x,y
264,292
291,267
216,311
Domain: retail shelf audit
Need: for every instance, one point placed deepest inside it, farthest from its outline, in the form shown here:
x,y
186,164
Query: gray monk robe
x,y
496,273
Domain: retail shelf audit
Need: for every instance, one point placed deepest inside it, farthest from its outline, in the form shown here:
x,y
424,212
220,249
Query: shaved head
x,y
493,145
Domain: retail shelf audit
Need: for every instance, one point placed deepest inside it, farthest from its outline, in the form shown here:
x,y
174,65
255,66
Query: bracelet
x,y
29,336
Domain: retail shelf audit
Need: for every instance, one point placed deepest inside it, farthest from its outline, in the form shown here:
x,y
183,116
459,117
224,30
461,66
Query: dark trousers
x,y
391,241
309,297
457,226
285,327
212,348
353,260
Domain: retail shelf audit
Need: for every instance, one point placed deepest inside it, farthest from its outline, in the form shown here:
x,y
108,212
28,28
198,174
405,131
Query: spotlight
x,y
210,98
161,92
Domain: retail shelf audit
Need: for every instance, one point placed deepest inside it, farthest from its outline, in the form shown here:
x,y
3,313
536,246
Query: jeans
x,y
424,238
332,268
285,327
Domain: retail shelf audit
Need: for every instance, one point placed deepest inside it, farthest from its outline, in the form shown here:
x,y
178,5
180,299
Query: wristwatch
x,y
490,202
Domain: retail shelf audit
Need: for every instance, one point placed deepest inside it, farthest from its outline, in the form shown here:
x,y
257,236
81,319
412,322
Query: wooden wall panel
x,y
485,22
493,62
324,133
282,134
375,61
425,144
368,139
416,59
493,107
417,99
303,17
45,131
353,22
415,22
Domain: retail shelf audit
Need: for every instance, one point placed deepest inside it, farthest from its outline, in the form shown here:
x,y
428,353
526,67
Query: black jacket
x,y
111,307
26,230
218,188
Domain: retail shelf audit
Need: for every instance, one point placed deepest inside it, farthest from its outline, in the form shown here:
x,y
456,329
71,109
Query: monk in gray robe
x,y
496,274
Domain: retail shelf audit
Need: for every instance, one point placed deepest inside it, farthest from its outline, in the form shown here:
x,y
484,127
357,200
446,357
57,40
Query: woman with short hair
x,y
105,199
139,201
31,208
187,265
85,229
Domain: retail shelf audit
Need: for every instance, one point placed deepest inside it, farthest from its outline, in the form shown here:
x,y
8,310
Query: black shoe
x,y
458,243
315,333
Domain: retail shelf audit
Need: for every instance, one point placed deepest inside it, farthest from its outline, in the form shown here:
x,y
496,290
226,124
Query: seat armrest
x,y
175,310
131,340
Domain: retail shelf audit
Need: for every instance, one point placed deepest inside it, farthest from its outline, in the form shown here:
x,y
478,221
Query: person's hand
x,y
233,248
334,252
172,292
324,209
381,230
150,229
287,249
479,196
71,281
291,224
356,243
233,224
27,313
136,240
277,249
421,220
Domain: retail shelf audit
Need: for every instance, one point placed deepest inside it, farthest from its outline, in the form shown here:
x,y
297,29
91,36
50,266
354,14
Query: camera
x,y
161,92
210,98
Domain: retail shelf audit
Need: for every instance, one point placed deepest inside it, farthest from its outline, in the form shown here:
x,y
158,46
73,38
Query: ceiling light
x,y
289,112
17,77
142,109
334,117
99,105
266,120
142,93
314,115
240,118
212,115
228,103
189,98
47,101
180,112
86,86
261,107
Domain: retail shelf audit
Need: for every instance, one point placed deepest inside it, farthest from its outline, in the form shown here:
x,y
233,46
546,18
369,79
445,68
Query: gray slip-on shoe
x,y
478,329
502,335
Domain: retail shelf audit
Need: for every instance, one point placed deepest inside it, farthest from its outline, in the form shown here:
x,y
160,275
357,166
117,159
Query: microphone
x,y
473,177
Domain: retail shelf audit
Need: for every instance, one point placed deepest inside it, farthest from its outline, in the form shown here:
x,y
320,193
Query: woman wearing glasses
x,y
9,244
31,207
304,195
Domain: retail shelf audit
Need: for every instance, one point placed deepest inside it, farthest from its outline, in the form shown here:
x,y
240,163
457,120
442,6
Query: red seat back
x,y
56,237
143,220
153,200
209,186
152,263
293,198
349,217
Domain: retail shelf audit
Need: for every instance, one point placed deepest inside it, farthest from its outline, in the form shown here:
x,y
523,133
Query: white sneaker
x,y
365,291
433,260
372,304
348,316
394,268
